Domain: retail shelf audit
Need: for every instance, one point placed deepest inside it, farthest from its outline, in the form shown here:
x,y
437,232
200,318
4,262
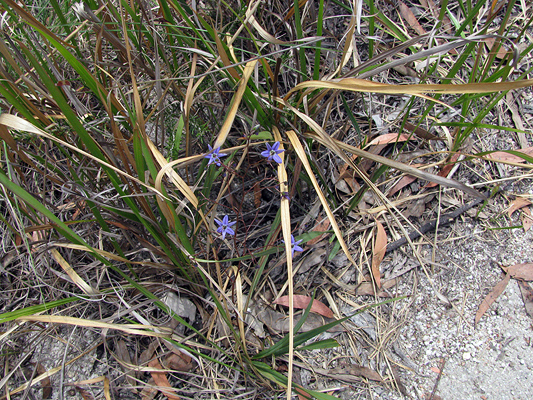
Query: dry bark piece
x,y
527,297
301,302
491,297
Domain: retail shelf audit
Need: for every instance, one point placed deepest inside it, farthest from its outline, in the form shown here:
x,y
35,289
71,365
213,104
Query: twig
x,y
441,368
444,220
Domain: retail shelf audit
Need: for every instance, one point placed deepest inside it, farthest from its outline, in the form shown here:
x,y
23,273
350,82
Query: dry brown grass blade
x,y
225,59
174,177
87,289
348,46
6,136
300,152
286,230
106,254
15,83
236,101
291,11
133,329
240,304
363,85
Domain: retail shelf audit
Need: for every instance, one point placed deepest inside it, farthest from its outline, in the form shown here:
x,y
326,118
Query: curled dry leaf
x,y
85,394
301,302
123,356
491,297
403,182
278,322
517,204
522,272
312,259
149,392
380,247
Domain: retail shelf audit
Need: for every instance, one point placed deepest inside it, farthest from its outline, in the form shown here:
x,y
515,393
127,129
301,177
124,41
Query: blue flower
x,y
214,156
294,245
224,226
271,153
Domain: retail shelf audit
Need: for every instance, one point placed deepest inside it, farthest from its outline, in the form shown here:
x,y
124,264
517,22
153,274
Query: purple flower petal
x,y
294,245
214,156
271,153
224,226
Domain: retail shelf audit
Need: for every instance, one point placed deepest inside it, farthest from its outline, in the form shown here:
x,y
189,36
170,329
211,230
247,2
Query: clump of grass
x,y
148,150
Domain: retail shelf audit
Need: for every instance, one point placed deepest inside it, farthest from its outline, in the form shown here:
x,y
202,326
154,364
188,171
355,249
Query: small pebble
x,y
467,356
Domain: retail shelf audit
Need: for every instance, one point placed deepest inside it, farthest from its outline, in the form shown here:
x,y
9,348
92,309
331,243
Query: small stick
x,y
444,219
441,368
